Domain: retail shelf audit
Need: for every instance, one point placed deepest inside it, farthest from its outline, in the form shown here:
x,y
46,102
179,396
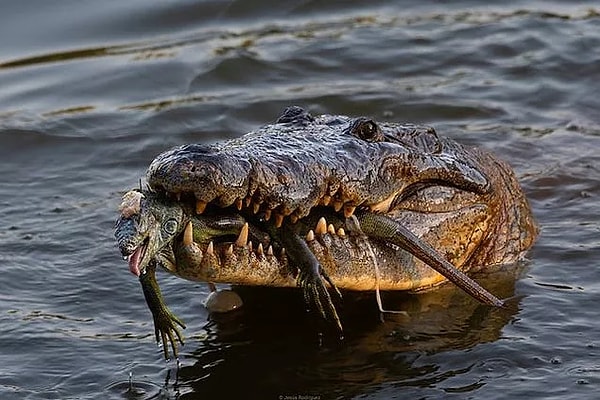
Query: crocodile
x,y
306,201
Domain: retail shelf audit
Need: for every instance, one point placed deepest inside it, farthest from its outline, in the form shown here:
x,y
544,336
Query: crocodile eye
x,y
170,226
366,129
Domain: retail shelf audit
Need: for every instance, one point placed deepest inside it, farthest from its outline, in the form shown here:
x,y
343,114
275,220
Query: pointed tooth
x,y
341,232
255,207
267,214
178,196
188,234
200,206
243,237
310,236
259,250
294,218
247,201
229,250
326,200
278,220
348,211
337,205
283,252
210,249
270,250
285,210
250,245
331,229
239,204
321,227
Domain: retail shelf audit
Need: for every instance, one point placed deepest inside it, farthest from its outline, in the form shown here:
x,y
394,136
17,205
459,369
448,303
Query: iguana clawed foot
x,y
317,296
311,275
166,324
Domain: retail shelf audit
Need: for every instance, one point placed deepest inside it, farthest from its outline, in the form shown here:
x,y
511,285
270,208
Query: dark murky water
x,y
92,91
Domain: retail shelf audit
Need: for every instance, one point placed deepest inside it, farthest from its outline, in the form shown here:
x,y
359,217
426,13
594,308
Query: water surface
x,y
92,91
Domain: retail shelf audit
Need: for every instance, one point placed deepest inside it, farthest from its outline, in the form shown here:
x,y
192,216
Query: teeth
x,y
239,204
267,214
341,232
247,201
188,234
283,252
259,250
321,227
255,207
310,236
270,250
331,229
210,249
348,211
178,196
229,250
125,258
200,206
278,220
337,205
250,245
326,200
243,237
294,218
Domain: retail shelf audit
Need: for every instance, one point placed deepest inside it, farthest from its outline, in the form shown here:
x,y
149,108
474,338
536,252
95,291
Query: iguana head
x,y
147,225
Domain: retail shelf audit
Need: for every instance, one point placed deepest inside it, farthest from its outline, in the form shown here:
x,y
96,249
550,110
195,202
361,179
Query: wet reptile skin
x,y
423,201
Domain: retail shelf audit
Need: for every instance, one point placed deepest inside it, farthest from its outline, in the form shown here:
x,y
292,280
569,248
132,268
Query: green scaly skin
x,y
165,322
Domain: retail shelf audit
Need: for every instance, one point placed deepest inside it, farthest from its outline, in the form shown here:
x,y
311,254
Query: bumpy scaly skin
x,y
461,203
300,162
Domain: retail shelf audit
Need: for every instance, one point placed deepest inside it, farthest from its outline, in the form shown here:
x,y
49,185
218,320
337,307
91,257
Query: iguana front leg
x,y
311,275
165,322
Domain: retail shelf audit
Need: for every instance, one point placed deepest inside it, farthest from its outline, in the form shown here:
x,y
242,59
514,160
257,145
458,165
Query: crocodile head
x,y
398,200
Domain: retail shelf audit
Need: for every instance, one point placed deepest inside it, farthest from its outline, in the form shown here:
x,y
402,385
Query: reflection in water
x,y
272,346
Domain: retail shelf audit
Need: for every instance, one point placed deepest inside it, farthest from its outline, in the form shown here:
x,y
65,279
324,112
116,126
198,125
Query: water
x,y
92,91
